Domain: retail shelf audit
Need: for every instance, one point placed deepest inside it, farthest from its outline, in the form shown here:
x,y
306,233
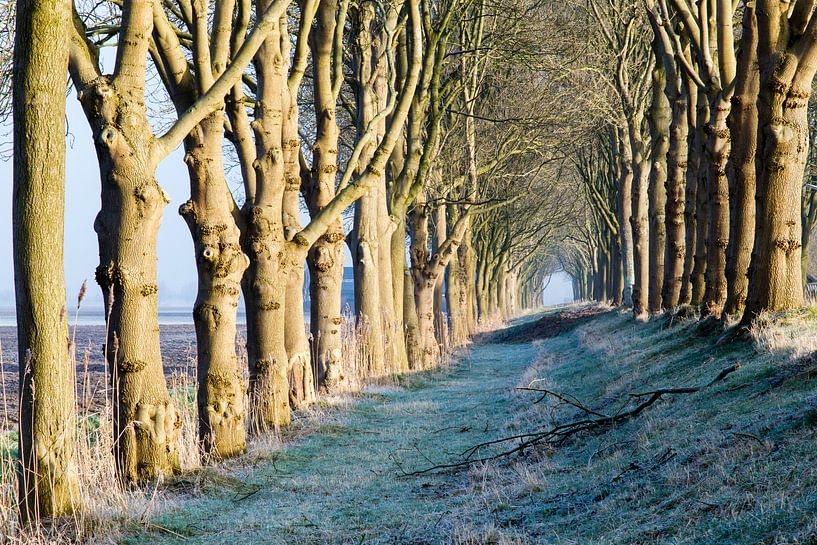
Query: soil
x,y
548,326
178,351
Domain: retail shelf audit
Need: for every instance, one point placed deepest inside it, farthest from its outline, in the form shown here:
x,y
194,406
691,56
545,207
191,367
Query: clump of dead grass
x,y
104,505
793,332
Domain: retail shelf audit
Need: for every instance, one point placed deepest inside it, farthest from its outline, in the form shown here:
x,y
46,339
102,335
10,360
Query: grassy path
x,y
341,483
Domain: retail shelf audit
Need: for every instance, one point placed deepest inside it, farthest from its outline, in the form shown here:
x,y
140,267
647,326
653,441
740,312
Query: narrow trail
x,y
342,482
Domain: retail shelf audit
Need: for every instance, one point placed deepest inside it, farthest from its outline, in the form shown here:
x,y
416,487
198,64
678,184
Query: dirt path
x,y
342,482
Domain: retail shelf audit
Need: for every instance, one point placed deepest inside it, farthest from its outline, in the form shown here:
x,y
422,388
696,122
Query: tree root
x,y
557,435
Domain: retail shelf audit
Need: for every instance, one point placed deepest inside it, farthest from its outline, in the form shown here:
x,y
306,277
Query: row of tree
x,y
416,113
696,180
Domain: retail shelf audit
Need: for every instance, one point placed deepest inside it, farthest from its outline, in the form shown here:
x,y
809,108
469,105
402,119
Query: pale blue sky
x,y
177,279
176,268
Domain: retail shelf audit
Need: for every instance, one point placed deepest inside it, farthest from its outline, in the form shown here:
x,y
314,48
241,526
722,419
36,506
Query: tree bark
x,y
302,382
468,258
440,234
272,258
410,319
640,217
220,264
47,472
325,257
676,191
698,277
717,152
146,421
690,208
786,74
624,210
743,125
660,127
365,235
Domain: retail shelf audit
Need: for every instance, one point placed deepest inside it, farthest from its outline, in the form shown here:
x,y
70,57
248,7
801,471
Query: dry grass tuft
x,y
793,332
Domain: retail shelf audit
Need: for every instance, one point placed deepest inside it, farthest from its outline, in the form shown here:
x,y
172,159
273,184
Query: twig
x,y
569,399
764,444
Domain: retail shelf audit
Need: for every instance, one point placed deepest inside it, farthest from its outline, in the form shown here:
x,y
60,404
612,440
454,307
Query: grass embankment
x,y
733,463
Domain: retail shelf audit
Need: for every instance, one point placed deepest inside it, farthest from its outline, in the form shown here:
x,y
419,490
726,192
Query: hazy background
x,y
176,266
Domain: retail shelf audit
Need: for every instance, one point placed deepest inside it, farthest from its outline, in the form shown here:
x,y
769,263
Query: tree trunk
x,y
717,151
146,421
220,264
468,259
47,472
424,282
660,124
698,278
743,126
272,258
455,297
775,282
367,282
677,157
265,288
694,153
325,260
393,337
365,235
617,274
624,209
325,257
640,218
440,234
404,329
300,370
302,384
482,288
424,300
413,338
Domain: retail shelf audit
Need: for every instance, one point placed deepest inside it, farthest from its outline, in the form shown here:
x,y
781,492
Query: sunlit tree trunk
x,y
325,258
424,282
211,215
220,264
743,125
786,73
659,117
414,348
456,296
146,420
440,234
265,282
717,153
302,380
47,472
366,233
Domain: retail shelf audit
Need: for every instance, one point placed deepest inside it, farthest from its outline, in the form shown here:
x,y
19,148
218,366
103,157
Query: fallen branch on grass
x,y
559,434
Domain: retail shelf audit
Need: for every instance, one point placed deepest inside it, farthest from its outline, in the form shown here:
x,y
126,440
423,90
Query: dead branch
x,y
557,435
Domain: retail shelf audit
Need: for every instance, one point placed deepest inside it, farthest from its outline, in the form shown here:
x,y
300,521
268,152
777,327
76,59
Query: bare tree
x,y
146,420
